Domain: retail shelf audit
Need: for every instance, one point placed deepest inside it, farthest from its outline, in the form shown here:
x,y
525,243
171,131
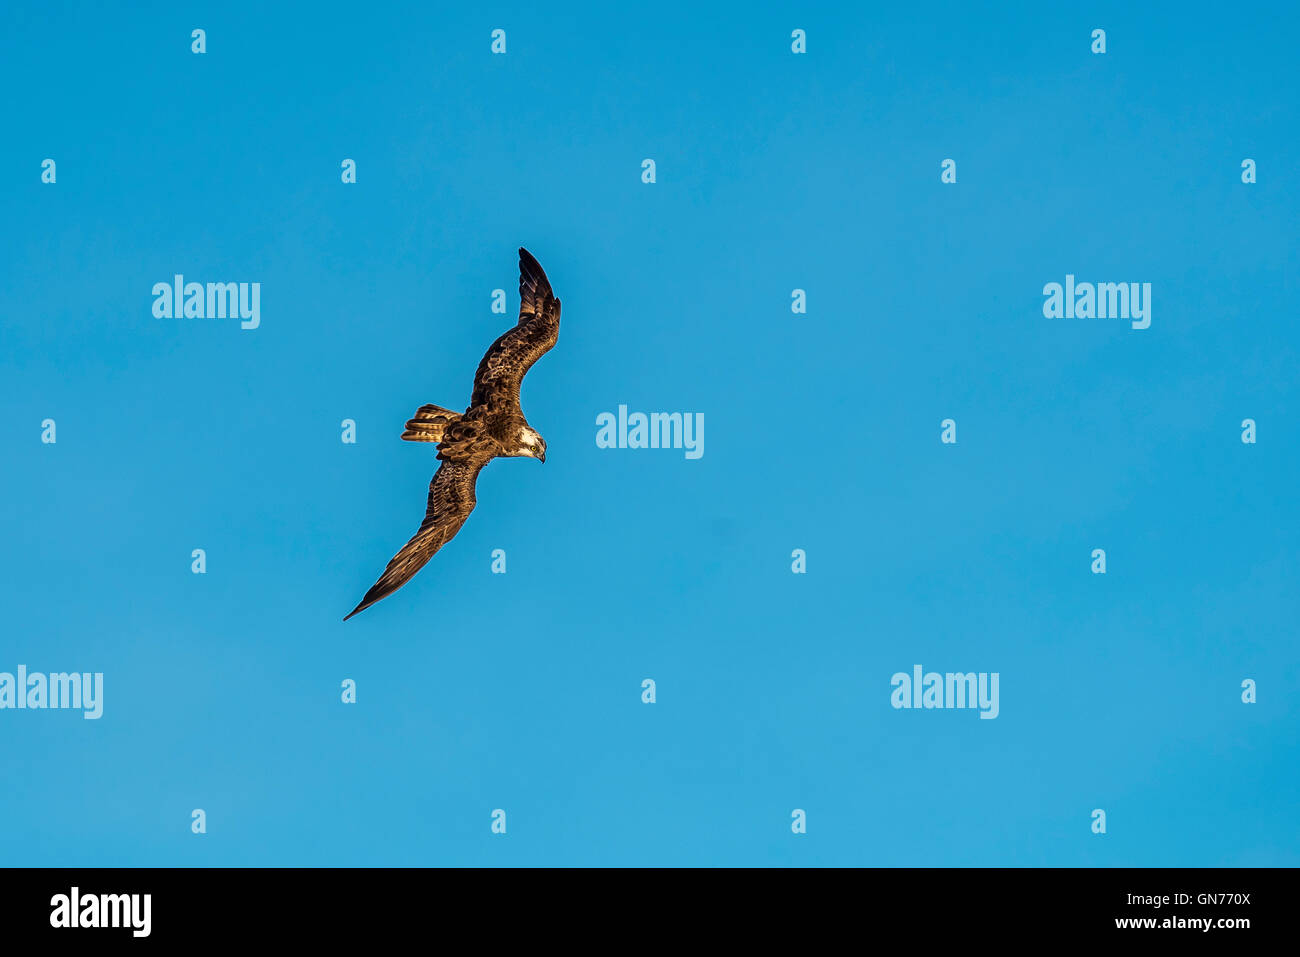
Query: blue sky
x,y
522,691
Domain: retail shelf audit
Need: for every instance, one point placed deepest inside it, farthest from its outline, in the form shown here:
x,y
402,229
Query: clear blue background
x,y
522,691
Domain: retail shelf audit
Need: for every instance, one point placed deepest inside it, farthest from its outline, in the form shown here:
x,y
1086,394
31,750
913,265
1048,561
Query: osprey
x,y
492,426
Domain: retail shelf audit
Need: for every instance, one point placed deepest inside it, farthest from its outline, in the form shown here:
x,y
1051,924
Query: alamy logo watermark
x,y
58,690
1102,300
948,690
657,430
75,909
179,299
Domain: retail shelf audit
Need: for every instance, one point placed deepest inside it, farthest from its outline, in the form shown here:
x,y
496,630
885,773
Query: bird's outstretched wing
x,y
497,381
451,499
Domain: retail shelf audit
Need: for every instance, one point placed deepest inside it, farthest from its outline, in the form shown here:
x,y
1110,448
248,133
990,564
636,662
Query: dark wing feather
x,y
499,375
451,499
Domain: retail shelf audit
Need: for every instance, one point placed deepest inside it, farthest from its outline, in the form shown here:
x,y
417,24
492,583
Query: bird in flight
x,y
492,426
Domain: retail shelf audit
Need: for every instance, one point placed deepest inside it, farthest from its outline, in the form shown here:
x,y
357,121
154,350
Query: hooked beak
x,y
541,456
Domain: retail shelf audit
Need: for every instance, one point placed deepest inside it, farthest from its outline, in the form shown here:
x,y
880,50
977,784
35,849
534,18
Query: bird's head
x,y
531,444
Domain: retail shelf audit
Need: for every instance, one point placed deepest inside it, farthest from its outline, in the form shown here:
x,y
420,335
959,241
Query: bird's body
x,y
493,426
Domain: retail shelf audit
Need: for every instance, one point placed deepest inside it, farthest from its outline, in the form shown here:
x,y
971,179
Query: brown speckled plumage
x,y
490,427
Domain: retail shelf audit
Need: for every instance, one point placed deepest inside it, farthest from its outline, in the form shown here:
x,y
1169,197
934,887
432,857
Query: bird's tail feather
x,y
429,424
